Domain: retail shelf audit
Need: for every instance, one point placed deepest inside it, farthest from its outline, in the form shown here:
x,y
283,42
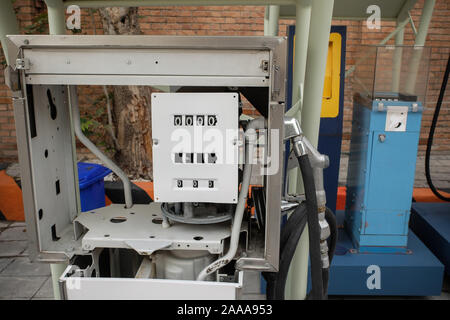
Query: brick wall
x,y
248,21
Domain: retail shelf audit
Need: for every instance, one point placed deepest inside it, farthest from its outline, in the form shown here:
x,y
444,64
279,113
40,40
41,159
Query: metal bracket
x,y
22,64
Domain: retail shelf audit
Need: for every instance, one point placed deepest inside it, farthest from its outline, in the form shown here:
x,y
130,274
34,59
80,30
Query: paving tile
x,y
14,233
12,248
18,224
4,262
20,287
46,291
23,267
4,224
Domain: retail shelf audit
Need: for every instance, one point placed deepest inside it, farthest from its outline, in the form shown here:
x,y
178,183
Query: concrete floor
x,y
19,278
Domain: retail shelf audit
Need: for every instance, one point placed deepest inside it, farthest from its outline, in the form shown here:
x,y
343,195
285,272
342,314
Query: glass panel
x,y
392,72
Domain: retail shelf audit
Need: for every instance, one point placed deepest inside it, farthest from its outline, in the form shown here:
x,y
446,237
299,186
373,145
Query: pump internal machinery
x,y
220,216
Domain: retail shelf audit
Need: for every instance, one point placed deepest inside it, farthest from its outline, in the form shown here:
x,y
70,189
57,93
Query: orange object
x,y
107,201
426,195
341,195
147,186
11,203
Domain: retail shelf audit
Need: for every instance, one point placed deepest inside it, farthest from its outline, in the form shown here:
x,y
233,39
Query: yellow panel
x,y
330,100
331,88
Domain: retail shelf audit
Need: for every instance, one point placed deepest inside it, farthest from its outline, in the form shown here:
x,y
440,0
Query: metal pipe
x,y
399,37
425,18
96,151
56,16
250,138
266,20
274,15
397,63
8,25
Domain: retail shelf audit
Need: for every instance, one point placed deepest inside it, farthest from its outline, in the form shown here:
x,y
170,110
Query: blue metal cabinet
x,y
381,171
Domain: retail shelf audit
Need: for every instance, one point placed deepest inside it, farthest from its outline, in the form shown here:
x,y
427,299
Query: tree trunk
x,y
131,105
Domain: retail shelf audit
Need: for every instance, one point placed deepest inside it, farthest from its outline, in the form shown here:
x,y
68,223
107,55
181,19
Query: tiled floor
x,y
19,278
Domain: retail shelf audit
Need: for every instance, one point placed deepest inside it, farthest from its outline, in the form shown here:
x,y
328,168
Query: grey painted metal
x,y
142,231
344,9
268,260
140,3
73,98
8,25
355,9
86,288
48,182
250,137
213,61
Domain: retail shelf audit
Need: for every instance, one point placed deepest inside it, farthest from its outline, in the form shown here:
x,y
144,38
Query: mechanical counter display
x,y
195,147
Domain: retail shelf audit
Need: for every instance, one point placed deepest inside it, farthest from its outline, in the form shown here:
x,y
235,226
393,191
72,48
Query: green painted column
x,y
266,20
56,16
302,25
298,272
274,15
319,34
8,25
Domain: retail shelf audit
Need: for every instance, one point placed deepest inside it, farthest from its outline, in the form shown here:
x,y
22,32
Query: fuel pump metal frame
x,y
43,75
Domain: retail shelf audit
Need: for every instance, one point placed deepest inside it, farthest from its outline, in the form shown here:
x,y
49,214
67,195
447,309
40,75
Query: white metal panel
x,y
220,140
142,231
144,80
147,62
78,288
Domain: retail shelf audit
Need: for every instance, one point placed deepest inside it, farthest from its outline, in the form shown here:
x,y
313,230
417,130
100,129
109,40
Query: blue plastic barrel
x,y
92,187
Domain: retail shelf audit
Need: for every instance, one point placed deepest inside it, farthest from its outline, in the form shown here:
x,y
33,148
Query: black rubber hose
x,y
313,227
331,220
292,224
290,235
431,134
276,282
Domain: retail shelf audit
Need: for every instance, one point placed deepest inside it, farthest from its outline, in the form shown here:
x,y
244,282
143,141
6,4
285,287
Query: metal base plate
x,y
419,273
431,223
140,228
